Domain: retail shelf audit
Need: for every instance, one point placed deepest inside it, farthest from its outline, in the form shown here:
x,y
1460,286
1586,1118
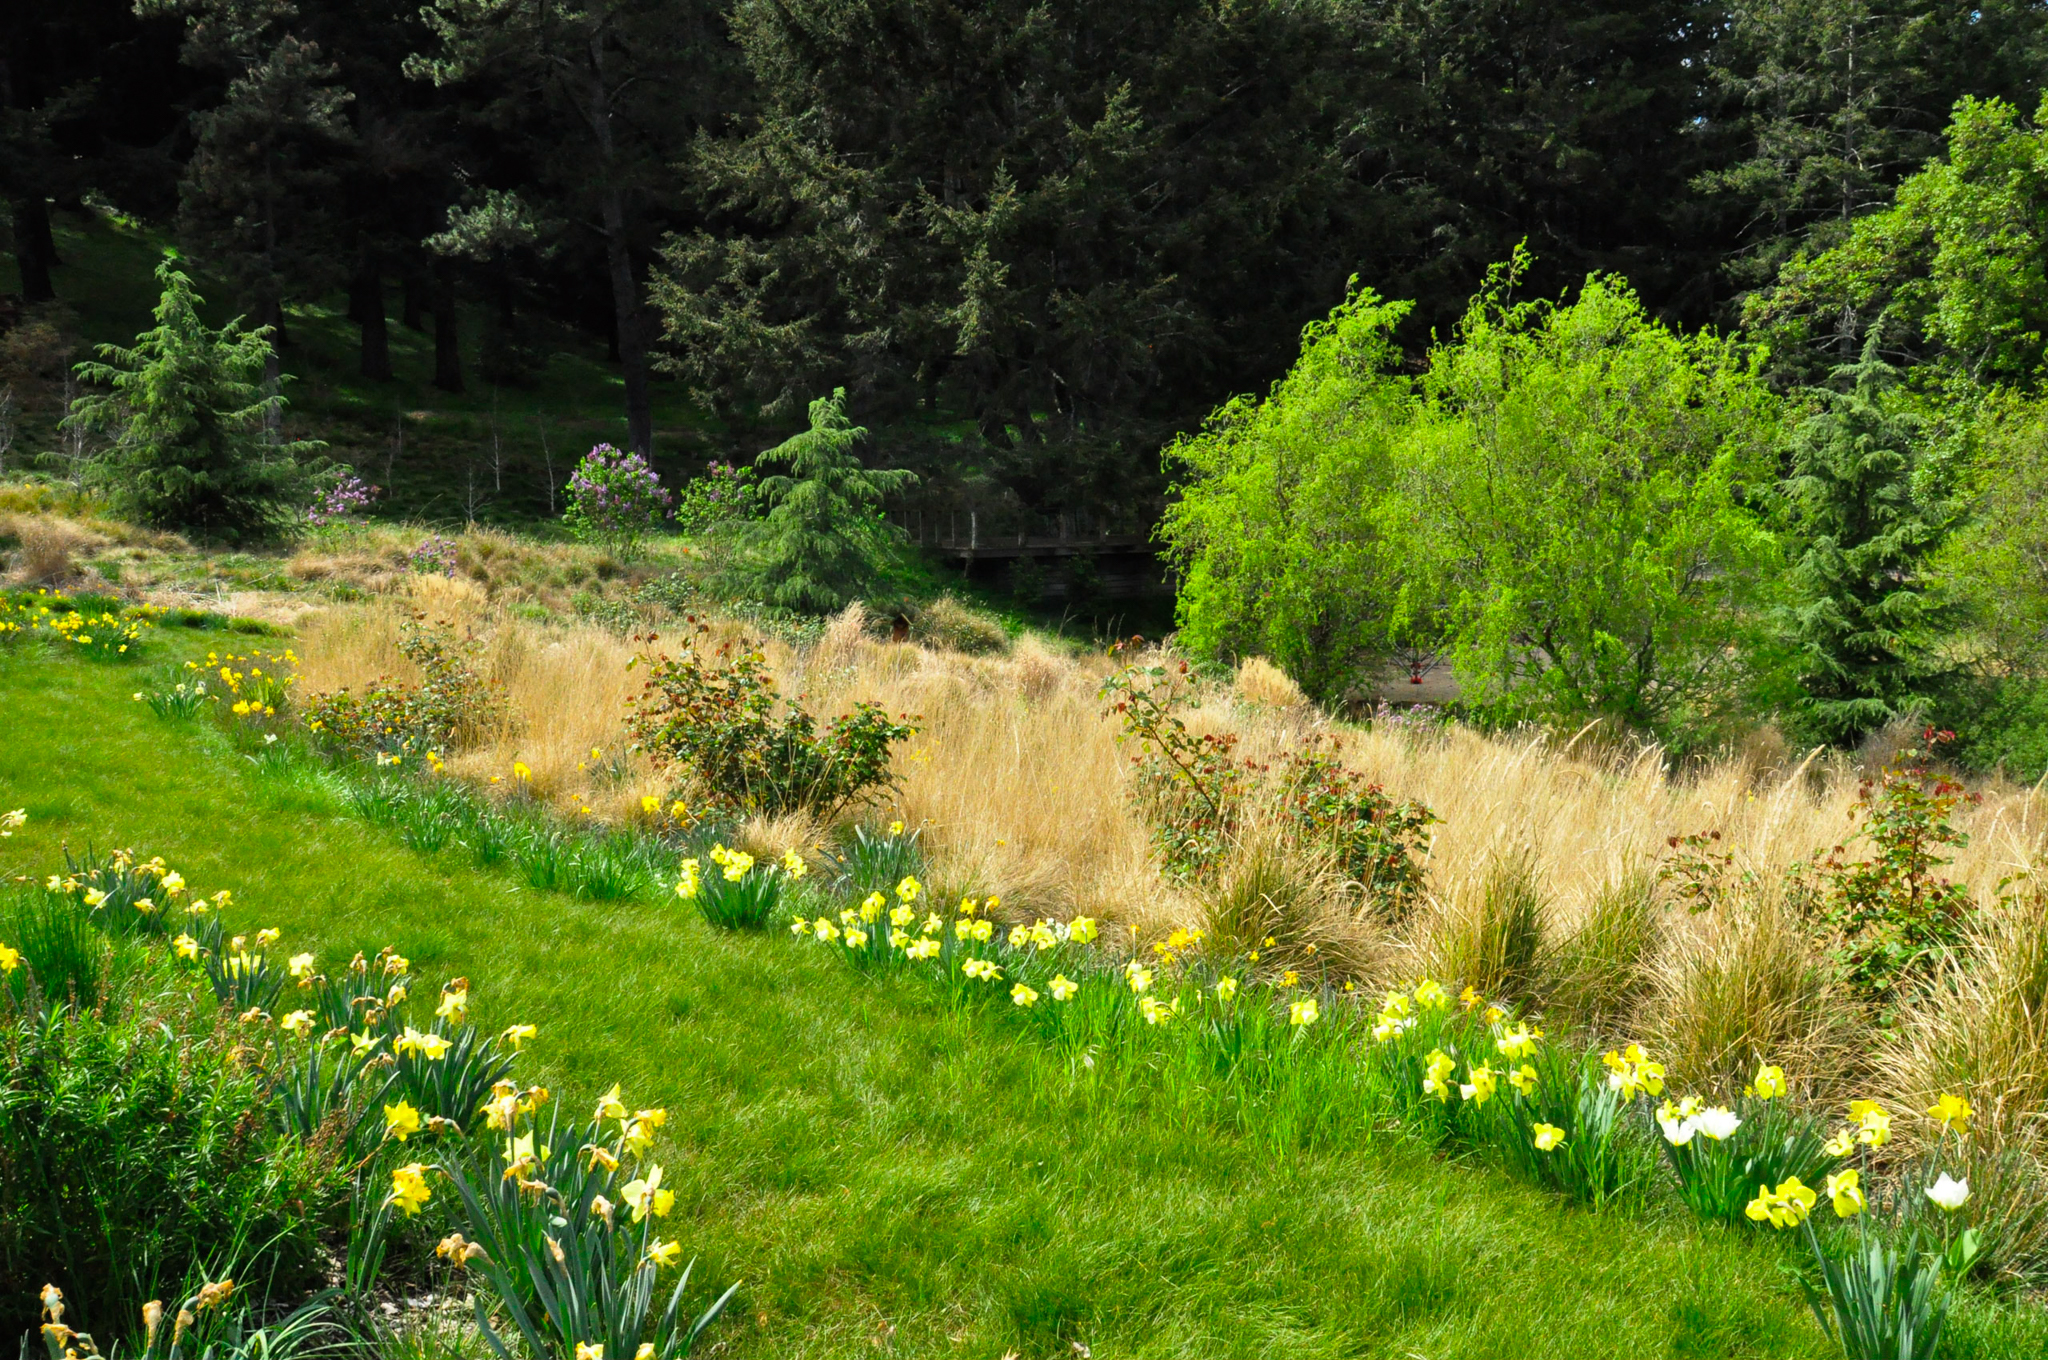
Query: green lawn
x,y
889,1177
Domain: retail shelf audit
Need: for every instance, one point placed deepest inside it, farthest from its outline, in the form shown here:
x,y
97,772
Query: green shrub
x,y
719,720
947,622
452,706
1381,846
133,1150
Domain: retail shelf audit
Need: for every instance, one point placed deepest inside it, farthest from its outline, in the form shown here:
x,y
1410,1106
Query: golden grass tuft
x,y
1260,684
1742,986
1487,930
1982,1030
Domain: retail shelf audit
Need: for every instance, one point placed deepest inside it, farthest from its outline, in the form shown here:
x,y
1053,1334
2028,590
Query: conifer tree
x,y
187,417
823,539
1864,615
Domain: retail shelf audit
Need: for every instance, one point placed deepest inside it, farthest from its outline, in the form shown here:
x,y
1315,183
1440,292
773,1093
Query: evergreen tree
x,y
823,539
1864,621
188,417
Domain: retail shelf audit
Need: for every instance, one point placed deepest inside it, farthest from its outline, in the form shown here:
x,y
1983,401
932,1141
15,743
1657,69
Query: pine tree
x,y
188,416
823,539
1864,616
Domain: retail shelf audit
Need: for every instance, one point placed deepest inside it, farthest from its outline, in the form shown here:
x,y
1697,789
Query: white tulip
x,y
1948,1193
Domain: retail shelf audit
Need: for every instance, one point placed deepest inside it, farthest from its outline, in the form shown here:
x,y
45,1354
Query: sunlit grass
x,y
889,1175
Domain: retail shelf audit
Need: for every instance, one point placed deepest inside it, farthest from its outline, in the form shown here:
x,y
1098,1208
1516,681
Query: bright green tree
x,y
1562,501
1580,486
823,539
1277,525
186,416
1866,620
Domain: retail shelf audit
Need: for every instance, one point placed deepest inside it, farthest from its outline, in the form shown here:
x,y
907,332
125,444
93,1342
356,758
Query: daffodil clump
x,y
84,627
416,1098
737,893
253,686
579,1208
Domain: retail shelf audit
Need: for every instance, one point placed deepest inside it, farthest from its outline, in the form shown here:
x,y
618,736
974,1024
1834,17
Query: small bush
x,y
949,623
725,723
132,1150
451,708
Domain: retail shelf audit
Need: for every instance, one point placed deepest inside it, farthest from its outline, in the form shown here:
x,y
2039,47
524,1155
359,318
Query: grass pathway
x,y
888,1177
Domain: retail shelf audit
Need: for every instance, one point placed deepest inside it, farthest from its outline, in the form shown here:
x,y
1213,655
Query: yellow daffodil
x,y
895,828
1485,1081
1302,1012
687,881
359,1044
1226,988
430,1046
901,916
1138,975
908,889
1063,987
645,1195
1769,1083
856,939
298,1024
409,1188
871,907
517,1035
1844,1190
266,938
1155,1011
1289,978
300,967
1020,995
1429,994
1548,1136
933,924
1516,1043
401,1121
609,1105
590,1350
454,1007
1842,1144
926,948
1436,1075
1082,930
1873,1124
793,864
1953,1111
522,771
1785,1207
663,1254
1523,1079
824,929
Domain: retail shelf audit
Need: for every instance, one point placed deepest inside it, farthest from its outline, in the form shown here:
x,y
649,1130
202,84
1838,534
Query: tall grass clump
x,y
1489,934
1604,963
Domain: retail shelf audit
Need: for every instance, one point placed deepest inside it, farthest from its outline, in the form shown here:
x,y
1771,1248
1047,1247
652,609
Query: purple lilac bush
x,y
614,499
341,502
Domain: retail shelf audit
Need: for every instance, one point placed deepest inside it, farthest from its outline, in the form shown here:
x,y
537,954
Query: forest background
x,y
1682,369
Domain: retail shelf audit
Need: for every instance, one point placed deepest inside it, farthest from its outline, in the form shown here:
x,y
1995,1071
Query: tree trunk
x,y
366,303
31,231
632,333
417,303
447,358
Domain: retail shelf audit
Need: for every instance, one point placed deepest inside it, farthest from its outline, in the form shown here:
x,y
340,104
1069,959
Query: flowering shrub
x,y
1195,792
719,720
434,555
1377,841
723,495
449,709
1896,920
614,499
344,499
